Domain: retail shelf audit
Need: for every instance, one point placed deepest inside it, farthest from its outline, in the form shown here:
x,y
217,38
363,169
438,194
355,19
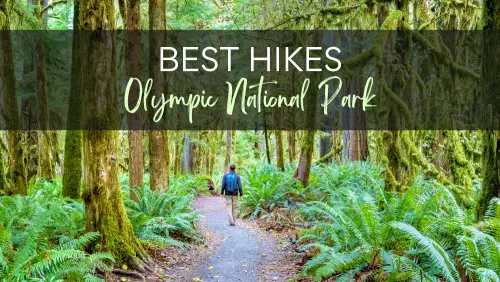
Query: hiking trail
x,y
242,250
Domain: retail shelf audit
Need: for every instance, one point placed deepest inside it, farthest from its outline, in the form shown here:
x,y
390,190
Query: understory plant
x,y
360,232
268,191
165,217
43,238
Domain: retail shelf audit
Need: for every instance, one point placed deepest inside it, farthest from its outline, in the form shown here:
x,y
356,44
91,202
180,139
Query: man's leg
x,y
234,208
229,209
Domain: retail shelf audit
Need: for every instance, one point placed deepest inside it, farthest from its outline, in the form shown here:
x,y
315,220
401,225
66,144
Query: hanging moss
x,y
392,21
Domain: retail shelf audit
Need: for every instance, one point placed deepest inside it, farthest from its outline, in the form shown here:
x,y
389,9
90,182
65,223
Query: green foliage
x,y
362,232
163,217
267,189
42,237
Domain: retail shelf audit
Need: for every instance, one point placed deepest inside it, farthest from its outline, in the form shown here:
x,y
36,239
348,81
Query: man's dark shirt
x,y
238,185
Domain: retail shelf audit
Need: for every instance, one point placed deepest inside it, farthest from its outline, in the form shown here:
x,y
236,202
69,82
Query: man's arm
x,y
223,188
240,188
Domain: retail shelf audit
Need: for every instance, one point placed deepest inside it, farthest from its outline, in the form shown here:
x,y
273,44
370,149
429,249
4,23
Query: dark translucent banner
x,y
291,80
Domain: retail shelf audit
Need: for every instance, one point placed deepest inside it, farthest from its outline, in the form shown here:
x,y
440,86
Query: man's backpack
x,y
231,183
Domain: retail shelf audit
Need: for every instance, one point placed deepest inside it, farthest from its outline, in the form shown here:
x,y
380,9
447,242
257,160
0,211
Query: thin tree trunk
x,y
280,163
133,68
46,167
291,146
187,156
104,208
305,158
229,148
159,156
177,157
72,172
17,172
159,160
307,145
325,147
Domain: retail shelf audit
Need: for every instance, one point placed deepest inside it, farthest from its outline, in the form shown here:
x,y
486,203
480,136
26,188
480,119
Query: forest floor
x,y
243,252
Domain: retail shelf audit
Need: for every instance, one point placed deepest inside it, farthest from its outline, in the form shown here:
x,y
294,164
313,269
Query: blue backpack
x,y
231,183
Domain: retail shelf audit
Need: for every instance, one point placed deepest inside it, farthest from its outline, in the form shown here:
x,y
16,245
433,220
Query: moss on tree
x,y
72,177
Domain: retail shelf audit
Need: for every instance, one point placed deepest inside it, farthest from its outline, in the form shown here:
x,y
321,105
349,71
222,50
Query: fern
x,y
158,216
42,237
433,250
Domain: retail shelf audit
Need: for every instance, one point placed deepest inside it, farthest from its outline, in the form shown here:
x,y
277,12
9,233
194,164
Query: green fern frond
x,y
486,275
433,250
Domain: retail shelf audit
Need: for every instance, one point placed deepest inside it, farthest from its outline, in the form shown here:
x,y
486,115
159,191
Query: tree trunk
x,y
305,158
159,160
159,156
325,147
72,172
229,148
133,65
307,145
291,146
187,156
491,139
104,208
17,172
177,157
280,163
46,167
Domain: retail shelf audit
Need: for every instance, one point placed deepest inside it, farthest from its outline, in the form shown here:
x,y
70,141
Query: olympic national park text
x,y
243,94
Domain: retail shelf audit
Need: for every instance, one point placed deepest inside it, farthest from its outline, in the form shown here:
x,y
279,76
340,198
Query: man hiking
x,y
231,189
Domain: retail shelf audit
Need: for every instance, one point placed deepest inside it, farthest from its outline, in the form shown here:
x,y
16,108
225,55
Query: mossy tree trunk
x,y
72,172
133,65
307,144
46,166
280,163
305,158
104,208
17,172
491,79
278,135
159,155
46,139
291,146
159,160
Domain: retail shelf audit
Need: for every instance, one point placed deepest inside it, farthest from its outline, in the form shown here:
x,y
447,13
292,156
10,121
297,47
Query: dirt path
x,y
229,253
243,252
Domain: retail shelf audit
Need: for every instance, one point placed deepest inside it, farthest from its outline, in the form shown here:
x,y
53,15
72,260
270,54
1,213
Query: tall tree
x,y
17,172
159,161
307,143
133,55
104,209
46,168
187,155
280,163
46,162
72,172
229,148
491,80
291,146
